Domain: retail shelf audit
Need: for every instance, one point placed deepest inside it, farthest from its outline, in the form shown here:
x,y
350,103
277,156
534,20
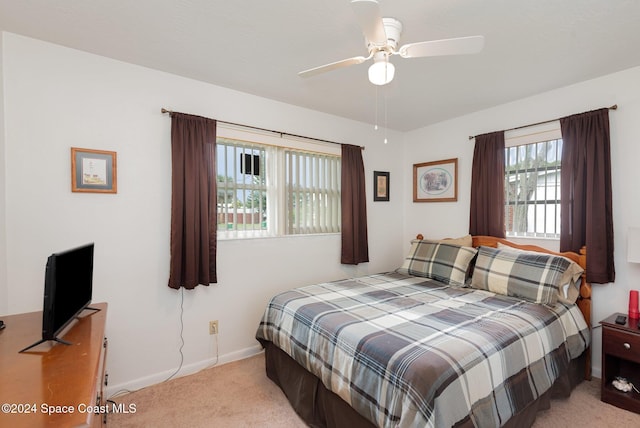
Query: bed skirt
x,y
319,407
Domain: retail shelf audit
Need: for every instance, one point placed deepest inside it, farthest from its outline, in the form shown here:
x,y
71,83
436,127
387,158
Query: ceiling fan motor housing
x,y
393,30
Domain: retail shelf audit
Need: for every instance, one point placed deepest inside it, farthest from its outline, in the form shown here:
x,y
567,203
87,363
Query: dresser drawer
x,y
621,344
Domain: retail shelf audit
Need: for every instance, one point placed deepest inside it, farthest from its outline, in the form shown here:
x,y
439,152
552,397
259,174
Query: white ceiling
x,y
259,46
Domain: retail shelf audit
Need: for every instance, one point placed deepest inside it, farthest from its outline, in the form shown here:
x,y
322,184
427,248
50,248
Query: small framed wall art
x,y
380,186
93,171
435,181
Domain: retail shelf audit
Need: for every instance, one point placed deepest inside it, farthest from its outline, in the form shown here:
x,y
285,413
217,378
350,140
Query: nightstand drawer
x,y
621,344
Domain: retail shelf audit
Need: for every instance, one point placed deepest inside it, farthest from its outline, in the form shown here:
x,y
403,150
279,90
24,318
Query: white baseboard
x,y
156,378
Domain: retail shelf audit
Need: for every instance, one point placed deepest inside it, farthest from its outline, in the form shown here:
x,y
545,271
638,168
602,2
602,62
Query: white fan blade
x,y
370,20
458,46
332,66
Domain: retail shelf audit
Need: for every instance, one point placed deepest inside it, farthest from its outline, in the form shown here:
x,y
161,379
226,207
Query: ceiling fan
x,y
382,36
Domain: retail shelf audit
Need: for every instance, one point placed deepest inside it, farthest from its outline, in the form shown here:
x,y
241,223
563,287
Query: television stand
x,y
57,339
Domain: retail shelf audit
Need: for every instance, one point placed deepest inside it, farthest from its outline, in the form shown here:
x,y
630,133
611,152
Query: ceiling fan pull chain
x,y
376,121
385,116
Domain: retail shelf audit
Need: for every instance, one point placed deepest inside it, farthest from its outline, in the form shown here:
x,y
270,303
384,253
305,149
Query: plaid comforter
x,y
405,351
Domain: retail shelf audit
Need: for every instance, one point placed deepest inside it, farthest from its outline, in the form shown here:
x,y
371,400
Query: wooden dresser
x,y
53,384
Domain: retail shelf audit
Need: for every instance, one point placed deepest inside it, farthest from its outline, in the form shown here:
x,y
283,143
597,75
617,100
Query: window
x,y
532,185
272,186
242,186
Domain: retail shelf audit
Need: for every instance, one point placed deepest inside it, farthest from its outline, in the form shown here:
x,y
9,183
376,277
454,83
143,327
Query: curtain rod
x,y
471,137
164,110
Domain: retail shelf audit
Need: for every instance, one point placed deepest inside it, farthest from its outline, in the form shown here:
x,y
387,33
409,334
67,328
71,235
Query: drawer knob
x,y
626,346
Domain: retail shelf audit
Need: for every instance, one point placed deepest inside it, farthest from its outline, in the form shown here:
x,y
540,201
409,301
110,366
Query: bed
x,y
480,333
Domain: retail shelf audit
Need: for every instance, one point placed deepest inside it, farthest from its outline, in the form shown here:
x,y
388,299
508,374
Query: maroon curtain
x,y
587,214
193,201
487,186
355,245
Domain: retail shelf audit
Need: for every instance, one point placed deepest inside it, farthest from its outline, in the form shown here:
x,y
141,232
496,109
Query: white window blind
x,y
313,192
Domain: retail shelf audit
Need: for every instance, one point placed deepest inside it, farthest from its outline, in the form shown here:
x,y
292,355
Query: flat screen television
x,y
68,286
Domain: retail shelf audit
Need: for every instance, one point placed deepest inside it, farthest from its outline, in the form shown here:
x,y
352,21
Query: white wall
x,y
56,98
4,291
450,139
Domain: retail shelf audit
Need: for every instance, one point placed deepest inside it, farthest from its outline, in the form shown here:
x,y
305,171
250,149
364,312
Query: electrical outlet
x,y
213,327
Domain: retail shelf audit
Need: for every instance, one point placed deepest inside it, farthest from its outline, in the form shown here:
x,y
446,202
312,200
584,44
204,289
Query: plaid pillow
x,y
527,275
569,285
446,263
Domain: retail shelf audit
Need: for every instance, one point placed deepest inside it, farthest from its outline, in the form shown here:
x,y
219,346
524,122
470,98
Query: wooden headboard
x,y
584,300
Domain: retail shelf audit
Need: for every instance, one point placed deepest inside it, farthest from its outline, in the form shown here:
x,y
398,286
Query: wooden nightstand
x,y
620,357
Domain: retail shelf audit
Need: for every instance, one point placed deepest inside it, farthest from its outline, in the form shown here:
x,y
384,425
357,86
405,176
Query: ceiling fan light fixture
x,y
381,71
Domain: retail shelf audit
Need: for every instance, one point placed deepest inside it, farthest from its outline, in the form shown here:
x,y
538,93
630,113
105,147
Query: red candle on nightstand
x,y
633,304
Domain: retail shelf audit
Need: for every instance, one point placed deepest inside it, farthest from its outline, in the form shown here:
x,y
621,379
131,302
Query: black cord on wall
x,y
127,391
181,335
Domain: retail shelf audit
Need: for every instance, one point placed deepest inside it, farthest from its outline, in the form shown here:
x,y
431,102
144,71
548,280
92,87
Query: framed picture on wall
x,y
380,186
435,181
93,171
